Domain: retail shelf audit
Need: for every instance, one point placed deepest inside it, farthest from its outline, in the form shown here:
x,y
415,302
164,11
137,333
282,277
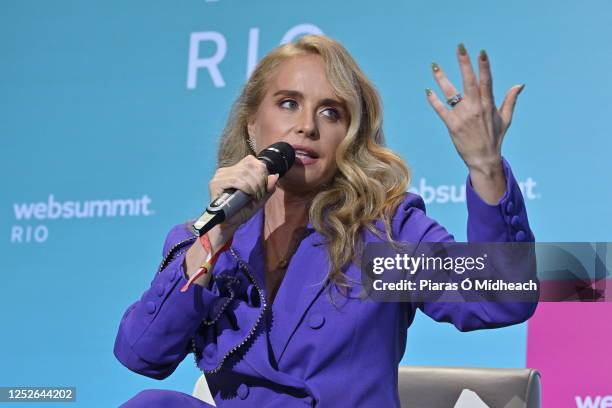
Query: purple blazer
x,y
302,350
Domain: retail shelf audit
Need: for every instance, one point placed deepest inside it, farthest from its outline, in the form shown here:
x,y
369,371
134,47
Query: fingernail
x,y
462,49
428,91
435,67
483,55
521,89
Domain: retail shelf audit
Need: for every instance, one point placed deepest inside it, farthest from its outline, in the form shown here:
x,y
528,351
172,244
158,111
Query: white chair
x,y
442,387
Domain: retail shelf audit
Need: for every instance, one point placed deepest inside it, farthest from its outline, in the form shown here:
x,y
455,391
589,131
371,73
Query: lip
x,y
305,161
306,149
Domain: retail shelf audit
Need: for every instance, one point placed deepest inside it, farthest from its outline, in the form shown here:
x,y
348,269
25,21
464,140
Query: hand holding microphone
x,y
249,176
240,191
236,187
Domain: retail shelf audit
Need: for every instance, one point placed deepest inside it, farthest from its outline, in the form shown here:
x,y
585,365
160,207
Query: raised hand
x,y
476,126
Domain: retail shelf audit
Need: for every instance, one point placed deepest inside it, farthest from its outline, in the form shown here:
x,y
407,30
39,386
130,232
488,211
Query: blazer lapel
x,y
303,283
298,289
248,245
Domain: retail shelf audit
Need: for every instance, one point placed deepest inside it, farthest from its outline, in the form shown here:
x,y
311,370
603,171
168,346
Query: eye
x,y
288,104
331,113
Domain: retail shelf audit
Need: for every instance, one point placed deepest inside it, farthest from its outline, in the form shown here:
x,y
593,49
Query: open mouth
x,y
304,155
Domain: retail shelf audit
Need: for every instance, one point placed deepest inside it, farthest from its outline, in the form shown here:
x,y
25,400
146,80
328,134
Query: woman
x,y
279,320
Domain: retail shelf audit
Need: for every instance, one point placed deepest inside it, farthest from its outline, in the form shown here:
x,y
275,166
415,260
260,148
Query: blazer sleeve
x,y
505,221
155,332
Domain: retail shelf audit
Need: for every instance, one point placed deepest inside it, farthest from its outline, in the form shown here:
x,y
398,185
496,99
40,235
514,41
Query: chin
x,y
305,179
298,180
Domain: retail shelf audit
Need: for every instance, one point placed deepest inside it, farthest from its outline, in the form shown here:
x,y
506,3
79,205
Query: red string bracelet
x,y
205,241
210,260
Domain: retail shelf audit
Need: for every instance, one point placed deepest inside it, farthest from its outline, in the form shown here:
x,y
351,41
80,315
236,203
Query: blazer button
x,y
520,235
243,391
510,208
515,221
316,321
159,289
150,307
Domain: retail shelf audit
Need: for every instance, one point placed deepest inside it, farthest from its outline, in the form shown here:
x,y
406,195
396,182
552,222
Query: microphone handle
x,y
221,209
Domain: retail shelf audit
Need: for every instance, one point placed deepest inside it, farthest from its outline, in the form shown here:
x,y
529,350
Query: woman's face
x,y
300,108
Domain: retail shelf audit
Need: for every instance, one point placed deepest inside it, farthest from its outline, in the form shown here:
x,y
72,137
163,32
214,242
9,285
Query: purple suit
x,y
302,350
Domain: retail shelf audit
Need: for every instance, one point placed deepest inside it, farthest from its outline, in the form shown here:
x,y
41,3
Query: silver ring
x,y
454,100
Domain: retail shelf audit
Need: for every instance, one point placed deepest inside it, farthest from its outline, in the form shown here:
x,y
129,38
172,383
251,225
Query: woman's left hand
x,y
476,126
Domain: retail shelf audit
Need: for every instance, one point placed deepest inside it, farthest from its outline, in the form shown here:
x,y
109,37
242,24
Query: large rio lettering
x,y
211,63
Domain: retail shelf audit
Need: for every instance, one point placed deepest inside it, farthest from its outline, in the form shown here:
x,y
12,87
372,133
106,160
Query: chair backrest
x,y
428,387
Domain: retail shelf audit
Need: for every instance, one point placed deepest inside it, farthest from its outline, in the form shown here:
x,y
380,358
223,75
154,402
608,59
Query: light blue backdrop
x,y
95,105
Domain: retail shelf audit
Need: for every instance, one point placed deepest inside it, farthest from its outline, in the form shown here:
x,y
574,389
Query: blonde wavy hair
x,y
370,180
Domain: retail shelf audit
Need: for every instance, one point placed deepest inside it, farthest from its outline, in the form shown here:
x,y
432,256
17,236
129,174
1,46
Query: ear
x,y
251,126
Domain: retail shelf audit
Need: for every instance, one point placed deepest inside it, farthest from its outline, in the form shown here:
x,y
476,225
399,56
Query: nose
x,y
307,124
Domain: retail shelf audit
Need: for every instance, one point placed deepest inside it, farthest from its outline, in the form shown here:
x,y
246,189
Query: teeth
x,y
302,153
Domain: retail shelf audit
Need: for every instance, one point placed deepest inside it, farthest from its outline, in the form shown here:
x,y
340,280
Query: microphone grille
x,y
278,157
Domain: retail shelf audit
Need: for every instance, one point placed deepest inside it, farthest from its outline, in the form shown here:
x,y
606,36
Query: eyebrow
x,y
298,94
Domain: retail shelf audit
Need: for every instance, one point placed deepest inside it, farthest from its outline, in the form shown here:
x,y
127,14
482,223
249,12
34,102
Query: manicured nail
x,y
521,89
428,91
462,49
435,67
483,55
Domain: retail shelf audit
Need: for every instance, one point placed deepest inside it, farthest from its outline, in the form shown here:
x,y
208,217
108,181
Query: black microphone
x,y
278,158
